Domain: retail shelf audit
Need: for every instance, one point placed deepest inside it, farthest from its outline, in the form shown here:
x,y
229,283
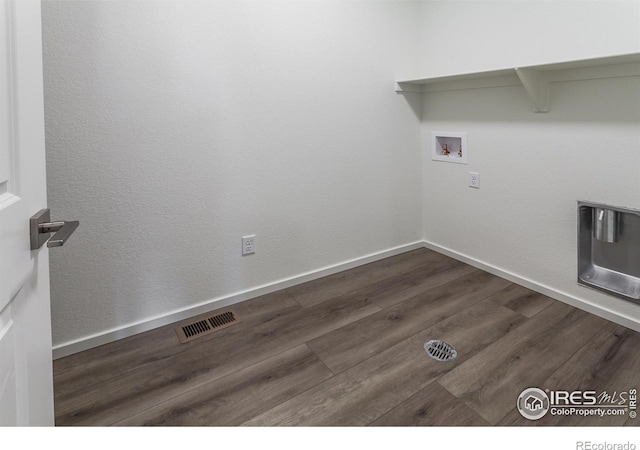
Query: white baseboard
x,y
95,340
569,299
87,342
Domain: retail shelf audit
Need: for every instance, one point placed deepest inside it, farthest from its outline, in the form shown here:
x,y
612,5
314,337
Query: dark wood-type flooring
x,y
347,349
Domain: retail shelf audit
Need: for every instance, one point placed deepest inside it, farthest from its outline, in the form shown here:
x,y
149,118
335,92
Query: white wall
x,y
533,167
174,128
477,35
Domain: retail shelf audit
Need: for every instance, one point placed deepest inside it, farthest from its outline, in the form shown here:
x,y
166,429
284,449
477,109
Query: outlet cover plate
x,y
248,245
474,180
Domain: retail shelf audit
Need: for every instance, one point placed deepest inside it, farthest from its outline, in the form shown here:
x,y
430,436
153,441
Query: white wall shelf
x,y
534,79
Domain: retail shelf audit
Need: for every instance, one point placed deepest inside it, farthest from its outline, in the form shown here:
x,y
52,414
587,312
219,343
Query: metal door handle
x,y
41,227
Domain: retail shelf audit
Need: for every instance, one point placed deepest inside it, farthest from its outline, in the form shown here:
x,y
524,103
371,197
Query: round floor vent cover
x,y
440,350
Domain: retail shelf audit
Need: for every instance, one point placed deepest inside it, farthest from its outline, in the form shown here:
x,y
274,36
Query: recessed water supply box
x,y
449,146
609,249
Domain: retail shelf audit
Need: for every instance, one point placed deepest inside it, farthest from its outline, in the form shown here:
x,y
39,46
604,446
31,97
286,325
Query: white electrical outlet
x,y
474,180
248,245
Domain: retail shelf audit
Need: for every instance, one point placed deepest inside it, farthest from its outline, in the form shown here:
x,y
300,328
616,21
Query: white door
x,y
26,381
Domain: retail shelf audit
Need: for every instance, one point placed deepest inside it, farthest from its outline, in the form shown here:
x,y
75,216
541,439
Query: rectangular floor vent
x,y
201,327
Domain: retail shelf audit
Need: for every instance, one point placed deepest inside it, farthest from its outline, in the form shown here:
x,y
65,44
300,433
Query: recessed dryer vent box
x,y
449,146
609,249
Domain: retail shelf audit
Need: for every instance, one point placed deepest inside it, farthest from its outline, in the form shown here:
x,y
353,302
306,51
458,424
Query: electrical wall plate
x,y
474,180
449,146
248,245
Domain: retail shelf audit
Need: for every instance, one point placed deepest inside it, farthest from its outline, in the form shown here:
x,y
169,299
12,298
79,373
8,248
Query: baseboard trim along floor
x,y
85,343
569,299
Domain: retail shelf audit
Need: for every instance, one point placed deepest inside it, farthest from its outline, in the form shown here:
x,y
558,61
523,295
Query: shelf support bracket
x,y
408,88
537,87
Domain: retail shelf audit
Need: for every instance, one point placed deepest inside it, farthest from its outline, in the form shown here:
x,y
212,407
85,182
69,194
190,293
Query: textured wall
x,y
471,35
533,167
174,128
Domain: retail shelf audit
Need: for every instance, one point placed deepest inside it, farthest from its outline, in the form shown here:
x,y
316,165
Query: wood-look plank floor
x,y
347,349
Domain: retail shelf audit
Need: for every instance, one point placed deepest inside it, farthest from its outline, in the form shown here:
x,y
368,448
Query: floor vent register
x,y
201,327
